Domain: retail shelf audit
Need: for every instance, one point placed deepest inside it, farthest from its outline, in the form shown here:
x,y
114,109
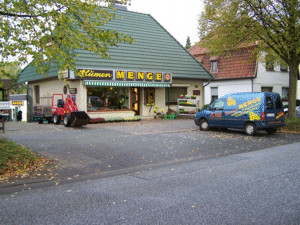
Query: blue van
x,y
249,111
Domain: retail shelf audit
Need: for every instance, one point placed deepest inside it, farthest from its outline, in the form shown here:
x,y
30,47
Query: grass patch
x,y
291,125
16,160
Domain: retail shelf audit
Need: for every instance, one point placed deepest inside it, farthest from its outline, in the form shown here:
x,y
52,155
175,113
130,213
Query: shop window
x,y
285,93
214,66
214,93
37,94
266,89
172,94
107,98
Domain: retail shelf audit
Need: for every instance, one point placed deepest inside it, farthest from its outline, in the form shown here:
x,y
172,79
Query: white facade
x,y
276,80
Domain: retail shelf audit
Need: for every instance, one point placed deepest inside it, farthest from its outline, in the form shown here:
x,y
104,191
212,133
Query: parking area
x,y
134,146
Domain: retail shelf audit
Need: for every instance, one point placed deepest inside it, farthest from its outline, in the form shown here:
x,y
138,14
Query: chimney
x,y
119,5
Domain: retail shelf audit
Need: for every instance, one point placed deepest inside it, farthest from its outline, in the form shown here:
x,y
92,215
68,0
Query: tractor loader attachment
x,y
79,118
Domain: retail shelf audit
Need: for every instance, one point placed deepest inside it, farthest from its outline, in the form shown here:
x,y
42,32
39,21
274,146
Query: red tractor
x,y
68,112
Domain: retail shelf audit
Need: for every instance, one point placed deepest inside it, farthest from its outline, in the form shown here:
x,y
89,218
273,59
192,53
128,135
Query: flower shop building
x,y
154,70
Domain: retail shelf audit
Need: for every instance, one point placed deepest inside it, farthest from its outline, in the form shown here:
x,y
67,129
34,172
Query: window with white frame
x,y
266,89
214,93
283,68
214,66
285,93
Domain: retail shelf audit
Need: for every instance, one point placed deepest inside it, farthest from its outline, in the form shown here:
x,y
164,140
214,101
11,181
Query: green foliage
x,y
188,43
11,71
205,106
292,125
273,26
14,157
50,31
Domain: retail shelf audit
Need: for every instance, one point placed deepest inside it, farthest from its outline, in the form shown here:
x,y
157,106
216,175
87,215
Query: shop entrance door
x,y
135,99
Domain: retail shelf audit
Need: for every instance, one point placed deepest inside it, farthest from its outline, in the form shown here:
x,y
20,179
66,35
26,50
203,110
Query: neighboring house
x,y
18,103
241,72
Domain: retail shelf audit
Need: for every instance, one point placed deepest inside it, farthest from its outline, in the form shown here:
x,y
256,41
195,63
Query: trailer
x,y
42,111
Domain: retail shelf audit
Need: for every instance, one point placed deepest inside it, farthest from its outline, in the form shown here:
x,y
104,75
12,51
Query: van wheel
x,y
56,119
250,129
203,124
271,130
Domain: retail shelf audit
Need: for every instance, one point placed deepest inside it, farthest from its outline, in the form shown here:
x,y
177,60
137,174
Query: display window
x,y
107,98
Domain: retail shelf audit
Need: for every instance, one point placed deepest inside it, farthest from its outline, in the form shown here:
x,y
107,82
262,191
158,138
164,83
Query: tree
x,y
11,71
272,24
188,43
50,31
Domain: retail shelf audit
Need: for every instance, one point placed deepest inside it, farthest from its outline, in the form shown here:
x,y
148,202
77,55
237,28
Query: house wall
x,y
55,86
275,79
226,87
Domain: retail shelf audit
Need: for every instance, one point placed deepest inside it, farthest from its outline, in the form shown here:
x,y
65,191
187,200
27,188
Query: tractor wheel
x,y
67,120
56,119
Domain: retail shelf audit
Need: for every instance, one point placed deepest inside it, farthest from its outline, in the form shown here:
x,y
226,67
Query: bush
x,y
205,106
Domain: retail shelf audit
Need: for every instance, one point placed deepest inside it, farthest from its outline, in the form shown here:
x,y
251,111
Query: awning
x,y
125,84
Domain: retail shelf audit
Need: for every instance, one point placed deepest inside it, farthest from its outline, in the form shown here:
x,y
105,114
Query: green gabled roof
x,y
154,50
29,73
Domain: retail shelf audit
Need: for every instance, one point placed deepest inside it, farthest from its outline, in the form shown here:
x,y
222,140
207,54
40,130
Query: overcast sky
x,y
178,17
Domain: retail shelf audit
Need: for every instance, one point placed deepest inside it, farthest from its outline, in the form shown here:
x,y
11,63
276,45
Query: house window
x,y
269,63
37,94
285,93
266,89
214,93
283,68
172,94
214,66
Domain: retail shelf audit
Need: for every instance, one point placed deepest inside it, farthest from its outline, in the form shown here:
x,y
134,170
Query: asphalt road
x,y
120,148
258,187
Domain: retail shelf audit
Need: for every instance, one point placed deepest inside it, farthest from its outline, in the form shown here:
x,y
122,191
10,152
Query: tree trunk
x,y
293,73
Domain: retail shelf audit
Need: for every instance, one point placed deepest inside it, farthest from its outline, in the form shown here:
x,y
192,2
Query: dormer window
x,y
214,64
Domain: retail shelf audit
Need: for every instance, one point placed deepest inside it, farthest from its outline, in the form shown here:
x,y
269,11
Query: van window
x,y
269,103
278,103
219,105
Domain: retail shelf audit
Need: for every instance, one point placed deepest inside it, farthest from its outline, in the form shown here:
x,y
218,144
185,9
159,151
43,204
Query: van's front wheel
x,y
250,129
203,124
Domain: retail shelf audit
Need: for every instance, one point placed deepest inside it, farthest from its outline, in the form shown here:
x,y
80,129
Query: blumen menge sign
x,y
123,75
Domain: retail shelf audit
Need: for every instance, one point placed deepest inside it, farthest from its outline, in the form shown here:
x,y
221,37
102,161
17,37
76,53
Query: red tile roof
x,y
239,64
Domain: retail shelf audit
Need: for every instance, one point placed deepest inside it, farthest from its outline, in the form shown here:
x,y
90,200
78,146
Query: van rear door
x,y
273,109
